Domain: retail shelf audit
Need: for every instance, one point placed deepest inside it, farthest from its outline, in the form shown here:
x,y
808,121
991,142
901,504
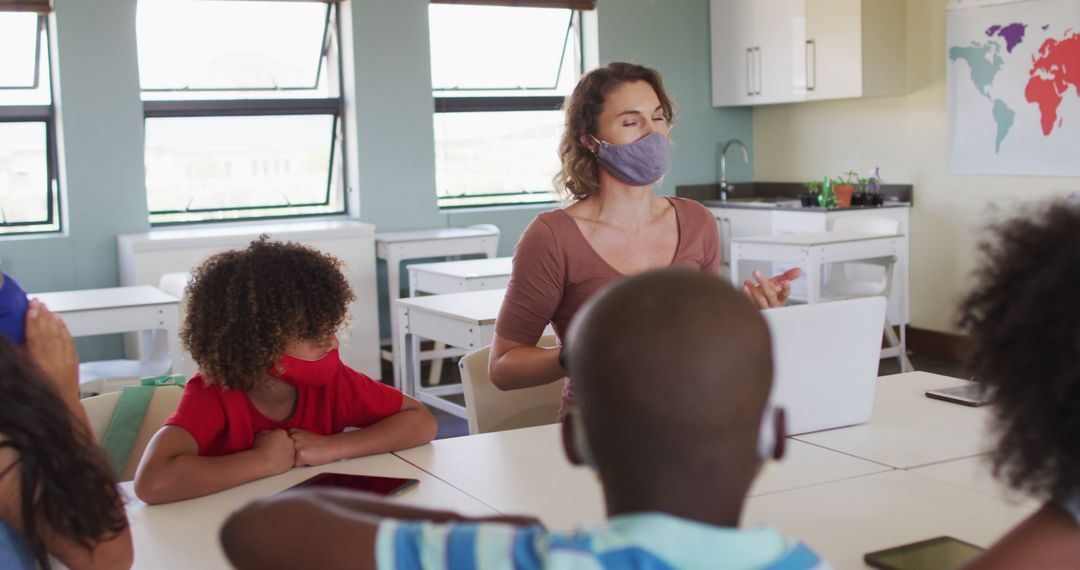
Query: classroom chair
x,y
868,278
491,409
123,422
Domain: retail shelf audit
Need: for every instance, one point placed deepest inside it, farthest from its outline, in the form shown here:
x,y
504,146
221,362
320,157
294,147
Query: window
x,y
499,75
29,198
242,118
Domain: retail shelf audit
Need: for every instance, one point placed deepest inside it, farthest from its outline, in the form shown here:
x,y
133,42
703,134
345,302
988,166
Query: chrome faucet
x,y
724,186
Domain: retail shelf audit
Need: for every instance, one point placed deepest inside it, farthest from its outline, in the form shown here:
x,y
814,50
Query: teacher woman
x,y
614,150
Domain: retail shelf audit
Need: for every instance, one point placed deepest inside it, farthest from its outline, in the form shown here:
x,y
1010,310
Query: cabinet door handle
x,y
758,67
725,240
811,65
749,71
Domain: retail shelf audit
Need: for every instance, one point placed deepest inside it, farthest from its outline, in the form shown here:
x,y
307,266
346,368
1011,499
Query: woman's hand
x,y
312,449
50,346
771,293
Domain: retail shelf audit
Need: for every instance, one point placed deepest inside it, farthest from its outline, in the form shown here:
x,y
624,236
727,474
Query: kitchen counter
x,y
792,205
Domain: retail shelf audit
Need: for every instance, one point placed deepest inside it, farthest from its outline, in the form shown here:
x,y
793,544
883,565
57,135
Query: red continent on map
x,y
1056,68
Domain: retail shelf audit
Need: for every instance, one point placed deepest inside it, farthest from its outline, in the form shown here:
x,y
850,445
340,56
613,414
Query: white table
x,y
811,251
456,277
118,310
843,520
395,247
526,471
184,535
908,429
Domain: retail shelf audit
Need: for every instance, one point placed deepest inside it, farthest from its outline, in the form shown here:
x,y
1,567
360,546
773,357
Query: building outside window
x,y
500,71
29,192
243,109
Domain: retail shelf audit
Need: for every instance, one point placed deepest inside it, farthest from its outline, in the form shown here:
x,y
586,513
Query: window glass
x,y
26,197
501,48
197,46
498,75
18,44
196,166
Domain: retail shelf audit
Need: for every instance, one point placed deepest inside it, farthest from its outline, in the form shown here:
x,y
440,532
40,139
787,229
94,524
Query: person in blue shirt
x,y
58,497
674,370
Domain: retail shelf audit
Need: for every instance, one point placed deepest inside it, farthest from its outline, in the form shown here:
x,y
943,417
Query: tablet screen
x,y
941,553
368,483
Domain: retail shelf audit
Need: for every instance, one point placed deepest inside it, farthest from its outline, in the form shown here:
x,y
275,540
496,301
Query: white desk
x,y
395,247
118,310
974,473
843,520
908,429
811,251
184,535
460,276
464,320
526,471
456,277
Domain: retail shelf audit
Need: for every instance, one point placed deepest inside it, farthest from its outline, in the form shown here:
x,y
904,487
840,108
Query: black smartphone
x,y
973,394
941,553
369,483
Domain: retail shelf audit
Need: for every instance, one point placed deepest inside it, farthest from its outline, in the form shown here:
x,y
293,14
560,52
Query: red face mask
x,y
304,373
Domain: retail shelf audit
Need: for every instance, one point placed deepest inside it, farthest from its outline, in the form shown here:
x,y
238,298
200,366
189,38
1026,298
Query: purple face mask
x,y
639,163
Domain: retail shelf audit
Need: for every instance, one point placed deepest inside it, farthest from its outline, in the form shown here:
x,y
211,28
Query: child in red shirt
x,y
272,392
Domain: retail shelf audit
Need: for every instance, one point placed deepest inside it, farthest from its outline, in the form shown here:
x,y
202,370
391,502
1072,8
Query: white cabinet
x,y
783,51
754,49
855,48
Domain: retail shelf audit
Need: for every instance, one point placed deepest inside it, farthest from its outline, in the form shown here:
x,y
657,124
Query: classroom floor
x,y
453,426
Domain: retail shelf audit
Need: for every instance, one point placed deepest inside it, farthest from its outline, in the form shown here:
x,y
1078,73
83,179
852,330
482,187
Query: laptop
x,y
825,361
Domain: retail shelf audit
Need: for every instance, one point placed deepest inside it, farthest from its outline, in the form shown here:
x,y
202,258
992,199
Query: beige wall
x,y
908,138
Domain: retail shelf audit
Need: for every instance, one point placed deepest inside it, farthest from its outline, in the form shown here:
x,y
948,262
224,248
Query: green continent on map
x,y
1004,117
985,62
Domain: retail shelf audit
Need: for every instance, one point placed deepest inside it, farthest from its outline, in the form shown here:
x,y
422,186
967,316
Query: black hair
x,y
66,484
1024,321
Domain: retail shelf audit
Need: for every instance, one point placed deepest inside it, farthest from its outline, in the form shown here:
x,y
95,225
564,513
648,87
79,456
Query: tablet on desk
x,y
384,486
941,553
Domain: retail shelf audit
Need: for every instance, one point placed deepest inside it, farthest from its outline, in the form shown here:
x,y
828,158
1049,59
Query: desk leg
x,y
813,275
393,284
408,358
170,321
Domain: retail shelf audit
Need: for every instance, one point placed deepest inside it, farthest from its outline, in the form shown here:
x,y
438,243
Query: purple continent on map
x,y
1013,34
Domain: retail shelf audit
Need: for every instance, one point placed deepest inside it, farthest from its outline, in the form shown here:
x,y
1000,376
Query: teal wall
x,y
393,175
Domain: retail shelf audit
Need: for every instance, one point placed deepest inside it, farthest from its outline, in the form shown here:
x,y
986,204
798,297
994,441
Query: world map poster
x,y
1013,75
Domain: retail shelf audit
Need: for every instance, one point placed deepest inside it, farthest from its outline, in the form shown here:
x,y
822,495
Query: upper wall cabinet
x,y
784,51
754,49
855,48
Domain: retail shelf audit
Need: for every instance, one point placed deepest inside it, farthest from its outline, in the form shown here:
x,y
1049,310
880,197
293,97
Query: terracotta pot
x,y
843,194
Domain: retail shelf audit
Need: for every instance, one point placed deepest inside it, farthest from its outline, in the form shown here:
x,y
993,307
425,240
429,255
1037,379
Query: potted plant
x,y
872,189
844,187
810,198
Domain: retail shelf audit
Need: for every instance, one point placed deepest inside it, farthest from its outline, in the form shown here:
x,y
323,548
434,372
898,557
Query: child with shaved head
x,y
673,371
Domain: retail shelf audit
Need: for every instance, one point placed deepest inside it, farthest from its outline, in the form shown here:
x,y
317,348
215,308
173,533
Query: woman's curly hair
x,y
243,306
579,177
66,487
1025,325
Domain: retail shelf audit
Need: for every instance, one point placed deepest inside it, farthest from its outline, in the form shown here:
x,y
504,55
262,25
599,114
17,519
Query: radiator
x,y
145,257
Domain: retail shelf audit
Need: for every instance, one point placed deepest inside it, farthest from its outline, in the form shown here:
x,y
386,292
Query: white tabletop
x,y
908,429
433,234
813,238
843,520
109,298
184,535
476,307
976,474
468,268
526,472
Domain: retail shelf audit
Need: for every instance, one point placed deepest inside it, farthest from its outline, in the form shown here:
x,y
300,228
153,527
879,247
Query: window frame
x,y
268,107
45,114
510,103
